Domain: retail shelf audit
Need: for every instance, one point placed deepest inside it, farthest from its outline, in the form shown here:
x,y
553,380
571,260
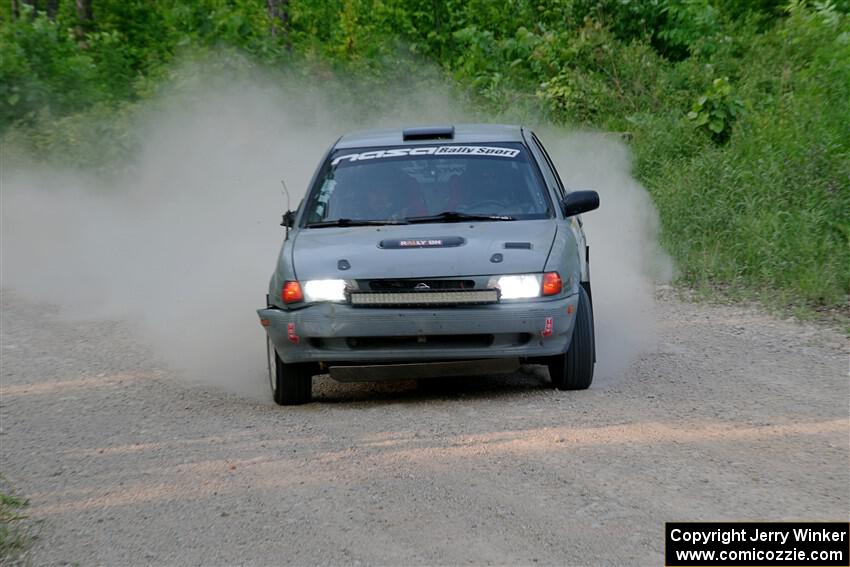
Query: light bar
x,y
426,297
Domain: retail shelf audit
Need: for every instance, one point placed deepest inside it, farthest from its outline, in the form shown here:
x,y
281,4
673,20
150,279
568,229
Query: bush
x,y
41,66
715,112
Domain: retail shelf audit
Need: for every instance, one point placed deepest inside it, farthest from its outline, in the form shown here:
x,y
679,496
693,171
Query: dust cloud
x,y
626,260
182,242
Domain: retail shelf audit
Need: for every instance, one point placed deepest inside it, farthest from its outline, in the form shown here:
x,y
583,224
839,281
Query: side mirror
x,y
579,202
288,219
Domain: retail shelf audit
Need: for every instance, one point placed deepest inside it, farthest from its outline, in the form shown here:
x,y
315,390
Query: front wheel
x,y
291,384
573,370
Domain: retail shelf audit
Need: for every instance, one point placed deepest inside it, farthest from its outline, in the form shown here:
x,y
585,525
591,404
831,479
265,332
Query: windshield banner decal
x,y
453,150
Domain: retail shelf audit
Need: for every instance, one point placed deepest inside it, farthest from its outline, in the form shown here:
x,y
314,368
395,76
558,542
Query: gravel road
x,y
735,416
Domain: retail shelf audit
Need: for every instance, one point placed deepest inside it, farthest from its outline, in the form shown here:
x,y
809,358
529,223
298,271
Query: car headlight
x,y
324,290
519,287
527,286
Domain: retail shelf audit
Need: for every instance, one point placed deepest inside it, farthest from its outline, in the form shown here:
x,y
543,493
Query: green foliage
x,y
769,211
628,20
13,540
755,201
42,67
676,28
691,27
716,111
46,66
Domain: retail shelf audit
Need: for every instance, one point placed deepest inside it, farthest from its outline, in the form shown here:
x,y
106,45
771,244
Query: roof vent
x,y
429,133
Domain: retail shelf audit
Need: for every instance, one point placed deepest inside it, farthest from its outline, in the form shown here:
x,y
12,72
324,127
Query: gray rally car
x,y
432,251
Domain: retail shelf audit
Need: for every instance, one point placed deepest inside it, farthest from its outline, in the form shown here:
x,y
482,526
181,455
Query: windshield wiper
x,y
455,216
354,222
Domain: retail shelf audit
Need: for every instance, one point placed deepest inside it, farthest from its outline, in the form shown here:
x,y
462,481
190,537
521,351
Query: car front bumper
x,y
339,333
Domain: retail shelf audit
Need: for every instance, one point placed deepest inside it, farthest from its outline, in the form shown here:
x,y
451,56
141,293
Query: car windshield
x,y
415,183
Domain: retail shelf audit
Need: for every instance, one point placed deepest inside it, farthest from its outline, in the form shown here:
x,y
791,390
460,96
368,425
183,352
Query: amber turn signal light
x,y
291,292
552,283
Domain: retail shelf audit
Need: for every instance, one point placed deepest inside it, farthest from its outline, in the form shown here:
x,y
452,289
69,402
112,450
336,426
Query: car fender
x,y
566,259
284,271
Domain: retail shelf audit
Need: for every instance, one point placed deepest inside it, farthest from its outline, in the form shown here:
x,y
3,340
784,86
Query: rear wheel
x,y
573,370
291,384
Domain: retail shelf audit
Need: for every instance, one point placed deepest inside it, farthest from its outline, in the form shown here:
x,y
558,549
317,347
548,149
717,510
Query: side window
x,y
550,164
322,199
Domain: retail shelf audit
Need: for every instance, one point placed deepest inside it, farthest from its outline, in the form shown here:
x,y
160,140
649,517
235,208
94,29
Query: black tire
x,y
573,370
292,384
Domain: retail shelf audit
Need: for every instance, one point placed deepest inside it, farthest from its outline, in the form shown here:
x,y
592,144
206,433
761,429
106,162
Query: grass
x,y
14,537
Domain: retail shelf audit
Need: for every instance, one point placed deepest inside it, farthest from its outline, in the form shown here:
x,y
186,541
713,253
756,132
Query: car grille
x,y
411,284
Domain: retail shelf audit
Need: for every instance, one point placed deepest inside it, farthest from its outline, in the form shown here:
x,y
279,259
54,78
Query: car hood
x,y
423,250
